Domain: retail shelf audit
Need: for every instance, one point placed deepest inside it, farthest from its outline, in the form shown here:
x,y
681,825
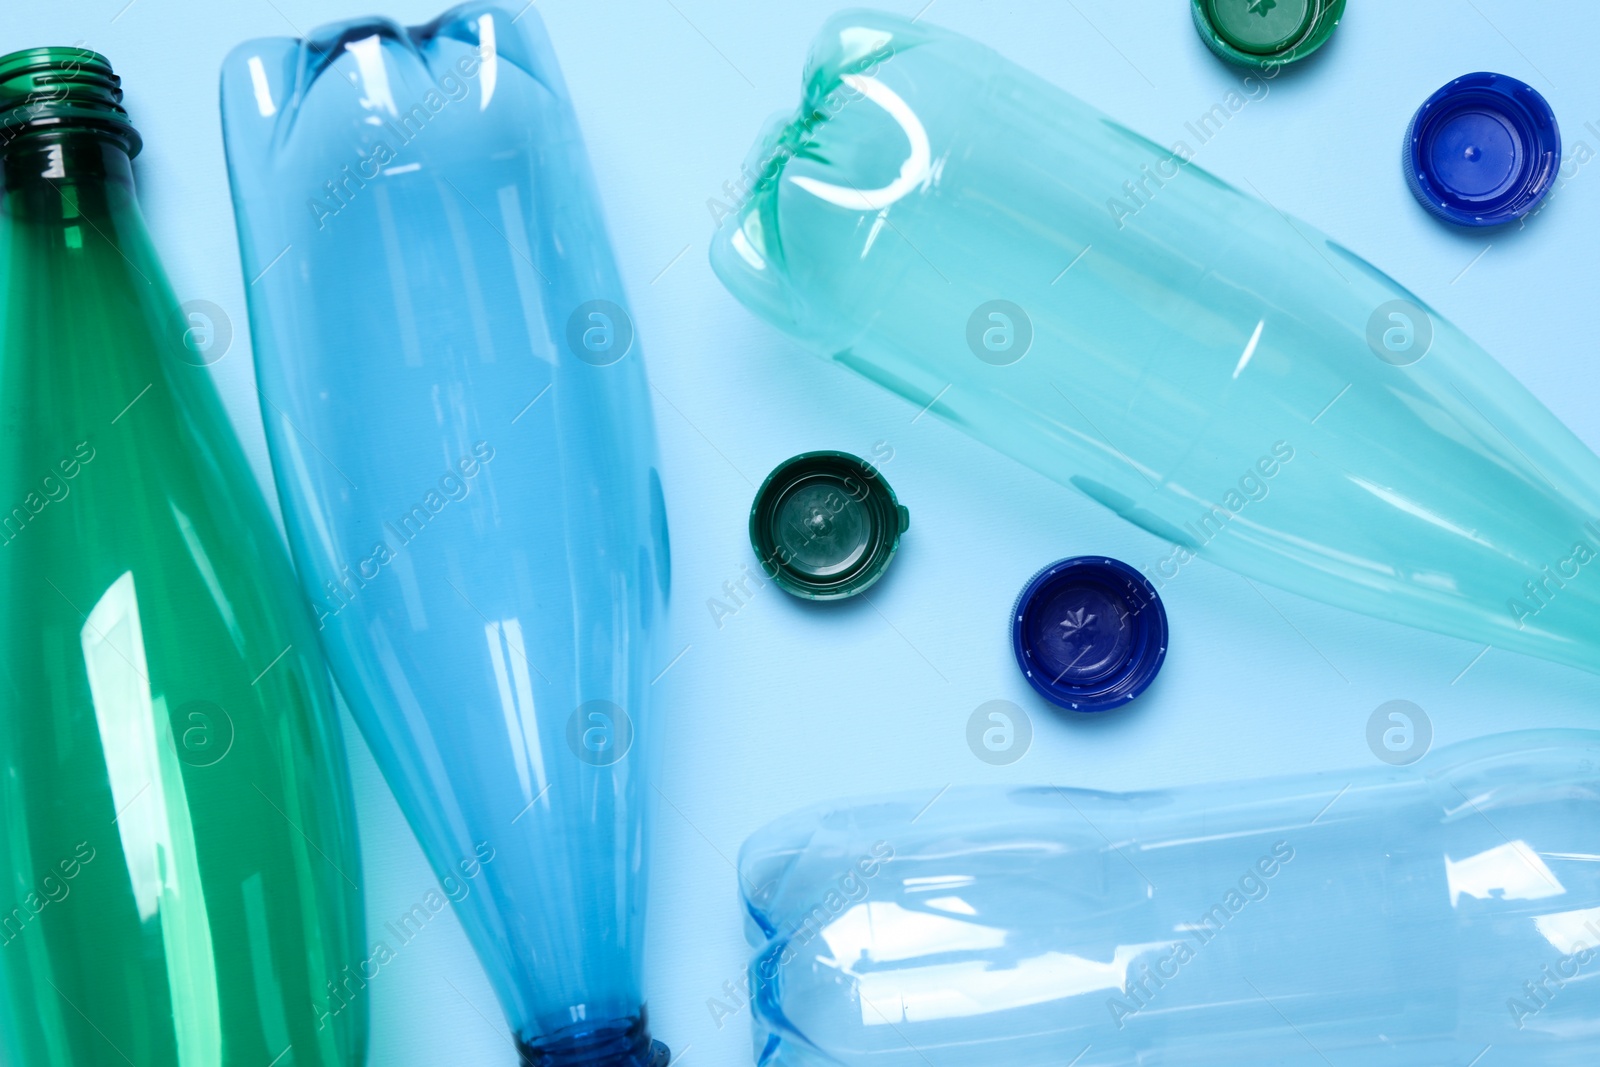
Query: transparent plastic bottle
x,y
461,430
1100,308
1402,916
179,871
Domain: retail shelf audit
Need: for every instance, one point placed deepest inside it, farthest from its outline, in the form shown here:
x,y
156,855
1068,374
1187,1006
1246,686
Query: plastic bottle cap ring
x,y
825,525
1089,633
1483,150
1263,33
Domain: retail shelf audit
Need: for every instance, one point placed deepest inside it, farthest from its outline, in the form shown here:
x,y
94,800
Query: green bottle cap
x,y
62,88
1266,33
825,525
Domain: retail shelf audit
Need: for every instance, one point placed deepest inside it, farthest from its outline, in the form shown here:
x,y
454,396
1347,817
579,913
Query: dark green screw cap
x,y
825,525
62,88
1266,33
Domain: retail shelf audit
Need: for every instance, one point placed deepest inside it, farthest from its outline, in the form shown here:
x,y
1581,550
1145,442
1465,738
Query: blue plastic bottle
x,y
461,431
1099,307
1408,917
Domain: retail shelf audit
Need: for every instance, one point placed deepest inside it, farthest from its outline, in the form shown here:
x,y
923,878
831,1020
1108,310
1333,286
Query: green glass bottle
x,y
178,862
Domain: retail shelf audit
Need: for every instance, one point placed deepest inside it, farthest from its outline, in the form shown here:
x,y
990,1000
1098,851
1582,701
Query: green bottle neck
x,y
65,139
61,178
83,275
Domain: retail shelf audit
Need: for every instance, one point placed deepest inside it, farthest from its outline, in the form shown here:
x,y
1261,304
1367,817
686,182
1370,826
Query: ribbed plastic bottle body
x,y
462,434
1408,917
1105,311
179,853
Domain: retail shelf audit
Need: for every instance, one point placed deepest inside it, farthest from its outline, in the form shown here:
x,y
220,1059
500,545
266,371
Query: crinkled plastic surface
x,y
1409,916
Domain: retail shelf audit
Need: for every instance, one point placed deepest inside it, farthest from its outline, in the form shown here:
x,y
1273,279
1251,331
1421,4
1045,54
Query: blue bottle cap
x,y
1483,150
1089,633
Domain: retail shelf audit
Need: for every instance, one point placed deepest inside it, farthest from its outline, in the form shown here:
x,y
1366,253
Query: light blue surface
x,y
785,704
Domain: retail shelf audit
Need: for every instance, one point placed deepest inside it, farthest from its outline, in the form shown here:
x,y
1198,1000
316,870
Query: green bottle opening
x,y
62,88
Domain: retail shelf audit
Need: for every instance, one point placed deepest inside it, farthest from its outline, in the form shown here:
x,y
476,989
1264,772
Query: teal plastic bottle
x,y
1105,311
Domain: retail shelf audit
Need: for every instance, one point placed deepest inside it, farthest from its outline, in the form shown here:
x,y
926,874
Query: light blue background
x,y
786,704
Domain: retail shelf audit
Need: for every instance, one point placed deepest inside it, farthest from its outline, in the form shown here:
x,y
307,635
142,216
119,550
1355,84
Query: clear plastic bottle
x,y
1403,916
1100,308
461,430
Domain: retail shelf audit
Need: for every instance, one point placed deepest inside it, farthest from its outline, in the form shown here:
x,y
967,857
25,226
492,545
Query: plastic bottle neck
x,y
620,1043
62,89
72,190
65,140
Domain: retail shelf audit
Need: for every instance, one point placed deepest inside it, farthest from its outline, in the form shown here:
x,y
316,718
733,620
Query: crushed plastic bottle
x,y
1408,917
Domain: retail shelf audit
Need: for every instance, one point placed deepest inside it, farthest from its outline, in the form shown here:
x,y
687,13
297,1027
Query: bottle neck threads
x,y
62,90
620,1043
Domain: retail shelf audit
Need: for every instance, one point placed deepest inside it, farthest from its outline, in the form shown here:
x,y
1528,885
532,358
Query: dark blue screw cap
x,y
1089,633
1483,150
